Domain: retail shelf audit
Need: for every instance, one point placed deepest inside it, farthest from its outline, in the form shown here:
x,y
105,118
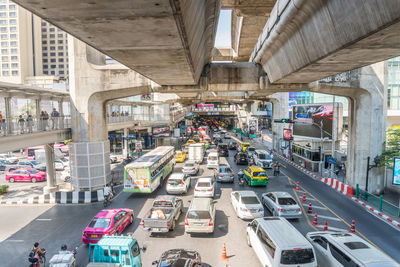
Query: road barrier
x,y
223,256
339,186
325,226
352,227
315,221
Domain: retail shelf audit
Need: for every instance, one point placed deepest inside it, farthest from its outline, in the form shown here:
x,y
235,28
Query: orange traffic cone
x,y
309,211
325,226
304,197
315,222
223,256
352,227
297,186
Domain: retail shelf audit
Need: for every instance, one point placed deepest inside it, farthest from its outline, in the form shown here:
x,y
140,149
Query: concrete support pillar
x,y
8,115
61,111
38,109
280,109
126,147
367,128
50,169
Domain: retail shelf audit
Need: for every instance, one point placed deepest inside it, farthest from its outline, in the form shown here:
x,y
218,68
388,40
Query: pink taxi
x,y
107,222
26,175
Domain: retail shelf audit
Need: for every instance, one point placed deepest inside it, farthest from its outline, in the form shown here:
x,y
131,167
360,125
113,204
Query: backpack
x,y
32,254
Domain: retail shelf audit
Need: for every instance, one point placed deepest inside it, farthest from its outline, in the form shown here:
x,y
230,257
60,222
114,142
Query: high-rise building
x,y
29,46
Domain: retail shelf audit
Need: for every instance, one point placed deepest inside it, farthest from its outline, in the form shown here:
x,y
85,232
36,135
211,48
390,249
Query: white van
x,y
346,249
213,160
262,159
277,243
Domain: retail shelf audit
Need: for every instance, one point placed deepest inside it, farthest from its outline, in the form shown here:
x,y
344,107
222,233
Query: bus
x,y
146,173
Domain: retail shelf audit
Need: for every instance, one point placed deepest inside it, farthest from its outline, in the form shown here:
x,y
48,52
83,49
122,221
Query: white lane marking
x,y
15,240
45,220
325,217
332,228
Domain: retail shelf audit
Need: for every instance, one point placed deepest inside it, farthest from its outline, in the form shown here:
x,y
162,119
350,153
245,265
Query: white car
x,y
247,205
205,187
178,183
64,162
227,136
281,204
190,167
9,158
66,175
213,160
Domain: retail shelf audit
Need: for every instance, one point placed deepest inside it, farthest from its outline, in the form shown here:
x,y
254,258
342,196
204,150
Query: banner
x,y
396,171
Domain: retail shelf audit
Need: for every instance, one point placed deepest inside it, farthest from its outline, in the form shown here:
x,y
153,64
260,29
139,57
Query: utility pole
x,y
334,134
322,147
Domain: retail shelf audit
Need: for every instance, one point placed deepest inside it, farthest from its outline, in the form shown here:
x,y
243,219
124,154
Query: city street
x,y
65,223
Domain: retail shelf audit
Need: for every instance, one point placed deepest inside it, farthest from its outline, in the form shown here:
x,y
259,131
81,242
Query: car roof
x,y
283,233
177,175
107,213
256,169
200,203
246,193
190,161
205,179
260,151
282,194
164,197
371,255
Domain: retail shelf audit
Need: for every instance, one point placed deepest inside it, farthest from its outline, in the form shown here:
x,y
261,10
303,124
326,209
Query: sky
x,y
223,38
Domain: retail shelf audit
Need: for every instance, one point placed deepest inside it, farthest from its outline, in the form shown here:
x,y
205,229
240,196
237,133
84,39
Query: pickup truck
x,y
162,216
115,251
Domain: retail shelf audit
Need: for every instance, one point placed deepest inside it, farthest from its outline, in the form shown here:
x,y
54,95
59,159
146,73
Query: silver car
x,y
200,217
281,204
190,167
224,174
178,183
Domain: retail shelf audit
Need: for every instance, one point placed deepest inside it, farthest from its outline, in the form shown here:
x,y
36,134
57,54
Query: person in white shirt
x,y
108,194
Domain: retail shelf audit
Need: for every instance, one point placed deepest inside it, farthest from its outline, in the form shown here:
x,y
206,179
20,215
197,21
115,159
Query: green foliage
x,y
3,189
31,107
392,147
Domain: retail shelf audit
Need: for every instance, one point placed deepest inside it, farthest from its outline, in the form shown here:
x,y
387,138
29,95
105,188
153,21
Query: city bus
x,y
146,173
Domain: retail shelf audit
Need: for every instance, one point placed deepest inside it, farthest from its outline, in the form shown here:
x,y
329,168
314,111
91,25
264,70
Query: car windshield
x,y
174,263
223,146
297,256
212,158
203,184
33,171
251,149
34,162
225,170
242,155
198,214
259,174
250,200
174,181
189,165
286,201
100,223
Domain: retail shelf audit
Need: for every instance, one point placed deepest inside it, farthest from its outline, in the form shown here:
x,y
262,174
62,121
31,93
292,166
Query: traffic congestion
x,y
215,190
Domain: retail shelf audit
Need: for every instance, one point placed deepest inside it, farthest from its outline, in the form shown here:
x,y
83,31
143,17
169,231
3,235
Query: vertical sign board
x,y
396,171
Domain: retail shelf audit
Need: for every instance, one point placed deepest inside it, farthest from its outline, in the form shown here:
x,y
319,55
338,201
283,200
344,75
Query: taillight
x,y
232,175
168,181
282,210
142,223
252,178
209,189
196,189
219,175
298,209
186,221
168,224
211,222
183,168
182,182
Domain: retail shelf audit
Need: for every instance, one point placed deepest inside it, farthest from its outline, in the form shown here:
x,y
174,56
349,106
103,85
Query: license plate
x,y
198,224
94,235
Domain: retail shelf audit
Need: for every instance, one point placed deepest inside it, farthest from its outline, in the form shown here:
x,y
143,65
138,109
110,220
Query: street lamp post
x,y
369,167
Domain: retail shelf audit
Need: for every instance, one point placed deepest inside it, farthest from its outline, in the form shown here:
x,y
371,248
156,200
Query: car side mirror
x,y
144,248
249,224
154,263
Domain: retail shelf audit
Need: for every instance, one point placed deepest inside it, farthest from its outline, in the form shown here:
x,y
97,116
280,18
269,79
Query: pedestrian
x,y
262,139
45,120
29,123
21,123
4,126
54,118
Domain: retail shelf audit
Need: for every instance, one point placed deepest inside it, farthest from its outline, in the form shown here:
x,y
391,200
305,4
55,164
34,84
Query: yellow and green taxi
x,y
244,146
255,175
190,142
196,137
180,156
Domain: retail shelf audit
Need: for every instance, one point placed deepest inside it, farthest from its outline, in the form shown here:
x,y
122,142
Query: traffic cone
x,y
297,186
325,226
304,197
315,222
223,256
352,227
309,211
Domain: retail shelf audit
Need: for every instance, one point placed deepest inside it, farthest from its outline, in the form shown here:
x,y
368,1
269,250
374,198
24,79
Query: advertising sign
x,y
309,118
161,131
287,134
177,132
396,171
205,105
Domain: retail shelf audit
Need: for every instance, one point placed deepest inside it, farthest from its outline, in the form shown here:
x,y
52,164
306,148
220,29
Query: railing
x,y
16,126
378,201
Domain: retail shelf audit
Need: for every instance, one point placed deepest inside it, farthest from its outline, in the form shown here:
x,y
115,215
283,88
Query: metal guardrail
x,y
378,201
16,126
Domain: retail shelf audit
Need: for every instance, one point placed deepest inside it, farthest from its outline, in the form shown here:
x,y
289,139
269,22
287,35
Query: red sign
x,y
287,134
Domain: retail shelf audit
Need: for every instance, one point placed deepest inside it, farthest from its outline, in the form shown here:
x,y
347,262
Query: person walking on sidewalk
x,y
29,123
21,123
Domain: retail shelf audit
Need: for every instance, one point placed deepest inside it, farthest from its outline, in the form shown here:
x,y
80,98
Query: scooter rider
x,y
108,192
276,169
241,177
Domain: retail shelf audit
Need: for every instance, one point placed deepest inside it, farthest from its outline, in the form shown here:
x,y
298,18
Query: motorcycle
x,y
64,256
127,160
241,178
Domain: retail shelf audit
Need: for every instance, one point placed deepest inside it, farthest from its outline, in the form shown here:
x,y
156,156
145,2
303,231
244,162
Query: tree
x,y
392,147
30,107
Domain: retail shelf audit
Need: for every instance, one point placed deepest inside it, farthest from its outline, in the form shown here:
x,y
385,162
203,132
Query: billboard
x,y
287,134
161,131
309,117
396,171
205,105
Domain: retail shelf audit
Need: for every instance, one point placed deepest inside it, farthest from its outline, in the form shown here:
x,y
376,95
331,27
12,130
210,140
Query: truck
x,y
163,215
115,251
196,152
